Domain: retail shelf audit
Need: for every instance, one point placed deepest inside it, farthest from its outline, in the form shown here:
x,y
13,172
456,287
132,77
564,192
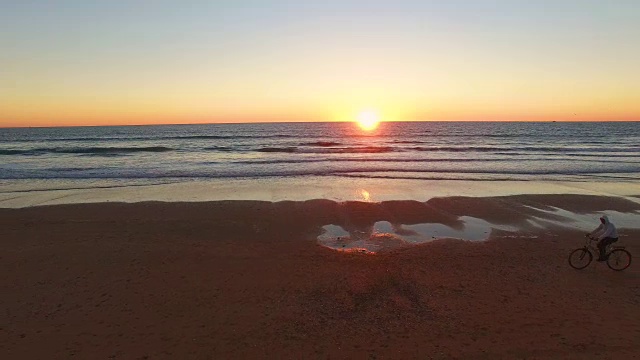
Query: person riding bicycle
x,y
606,234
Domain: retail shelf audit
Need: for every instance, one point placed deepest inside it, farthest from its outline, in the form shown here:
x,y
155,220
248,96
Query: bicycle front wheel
x,y
619,259
580,258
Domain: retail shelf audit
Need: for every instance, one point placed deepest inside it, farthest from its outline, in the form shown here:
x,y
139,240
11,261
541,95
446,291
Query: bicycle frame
x,y
592,245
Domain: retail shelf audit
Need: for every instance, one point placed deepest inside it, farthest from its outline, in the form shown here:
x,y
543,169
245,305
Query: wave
x,y
378,175
277,150
328,147
226,137
575,155
322,143
90,187
440,178
421,139
399,170
583,171
15,152
87,151
457,149
342,150
530,149
112,150
354,160
156,138
333,148
401,160
354,150
72,169
525,136
219,148
413,142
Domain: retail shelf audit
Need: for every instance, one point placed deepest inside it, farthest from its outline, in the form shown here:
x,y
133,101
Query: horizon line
x,y
310,122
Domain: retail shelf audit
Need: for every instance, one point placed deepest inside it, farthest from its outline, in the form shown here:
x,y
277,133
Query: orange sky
x,y
103,63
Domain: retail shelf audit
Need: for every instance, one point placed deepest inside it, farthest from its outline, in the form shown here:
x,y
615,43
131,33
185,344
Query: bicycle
x,y
618,258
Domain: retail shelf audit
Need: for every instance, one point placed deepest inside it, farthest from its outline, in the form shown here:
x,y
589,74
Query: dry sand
x,y
248,280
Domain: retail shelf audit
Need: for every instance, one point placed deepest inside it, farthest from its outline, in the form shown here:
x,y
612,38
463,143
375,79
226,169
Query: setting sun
x,y
368,120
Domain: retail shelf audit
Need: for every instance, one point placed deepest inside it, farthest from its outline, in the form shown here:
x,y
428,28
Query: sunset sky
x,y
94,62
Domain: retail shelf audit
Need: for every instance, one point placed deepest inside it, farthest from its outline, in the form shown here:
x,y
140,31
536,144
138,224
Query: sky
x,y
94,62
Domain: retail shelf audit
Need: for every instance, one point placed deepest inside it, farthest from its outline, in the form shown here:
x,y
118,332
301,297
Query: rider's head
x,y
604,219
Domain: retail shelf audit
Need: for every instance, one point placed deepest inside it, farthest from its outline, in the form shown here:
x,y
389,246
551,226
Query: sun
x,y
368,120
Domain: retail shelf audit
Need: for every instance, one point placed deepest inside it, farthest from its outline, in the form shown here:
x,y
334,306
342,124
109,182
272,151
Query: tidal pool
x,y
384,235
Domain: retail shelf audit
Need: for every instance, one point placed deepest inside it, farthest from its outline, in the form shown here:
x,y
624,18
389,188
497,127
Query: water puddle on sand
x,y
386,236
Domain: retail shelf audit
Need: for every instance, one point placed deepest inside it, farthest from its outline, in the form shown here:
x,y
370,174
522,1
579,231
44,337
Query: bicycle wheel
x,y
619,259
580,258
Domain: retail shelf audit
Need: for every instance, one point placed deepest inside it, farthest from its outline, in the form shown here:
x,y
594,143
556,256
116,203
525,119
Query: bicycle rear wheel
x,y
580,258
619,259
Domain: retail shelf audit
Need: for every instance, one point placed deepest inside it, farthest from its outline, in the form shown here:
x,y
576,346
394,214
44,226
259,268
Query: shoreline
x,y
27,193
514,210
248,279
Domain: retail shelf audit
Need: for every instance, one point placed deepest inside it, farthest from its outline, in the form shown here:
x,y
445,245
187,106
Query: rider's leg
x,y
602,246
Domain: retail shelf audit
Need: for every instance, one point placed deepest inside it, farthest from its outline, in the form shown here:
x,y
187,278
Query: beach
x,y
249,279
319,180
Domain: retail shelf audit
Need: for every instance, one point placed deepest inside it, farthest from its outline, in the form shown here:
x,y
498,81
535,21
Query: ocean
x,y
476,151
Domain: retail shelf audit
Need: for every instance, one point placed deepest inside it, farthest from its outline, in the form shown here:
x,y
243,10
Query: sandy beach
x,y
319,180
248,279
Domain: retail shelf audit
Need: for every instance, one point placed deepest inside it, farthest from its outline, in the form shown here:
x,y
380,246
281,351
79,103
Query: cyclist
x,y
607,234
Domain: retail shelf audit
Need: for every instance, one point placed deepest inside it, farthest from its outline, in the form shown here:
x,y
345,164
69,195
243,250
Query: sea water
x,y
329,153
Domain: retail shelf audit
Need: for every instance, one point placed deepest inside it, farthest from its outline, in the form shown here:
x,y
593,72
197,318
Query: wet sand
x,y
28,192
247,279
